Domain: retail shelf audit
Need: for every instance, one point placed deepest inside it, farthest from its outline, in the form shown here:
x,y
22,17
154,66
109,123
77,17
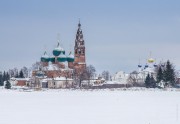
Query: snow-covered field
x,y
89,107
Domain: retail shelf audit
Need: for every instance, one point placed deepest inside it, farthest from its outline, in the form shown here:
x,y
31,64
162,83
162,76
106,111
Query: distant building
x,y
19,81
120,77
138,76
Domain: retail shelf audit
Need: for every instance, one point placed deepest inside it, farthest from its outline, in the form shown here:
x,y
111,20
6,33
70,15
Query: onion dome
x,y
70,58
52,59
139,66
151,60
146,66
45,57
58,50
62,57
155,65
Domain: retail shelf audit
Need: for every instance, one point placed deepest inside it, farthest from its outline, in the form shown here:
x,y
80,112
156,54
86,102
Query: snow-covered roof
x,y
45,55
149,69
20,79
44,80
59,48
81,63
51,67
62,55
115,82
62,79
70,55
102,79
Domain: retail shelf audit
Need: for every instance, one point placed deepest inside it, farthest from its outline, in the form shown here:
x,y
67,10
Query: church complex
x,y
62,66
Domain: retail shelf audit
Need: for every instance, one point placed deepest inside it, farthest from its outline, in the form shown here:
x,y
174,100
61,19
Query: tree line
x,y
6,75
4,78
165,74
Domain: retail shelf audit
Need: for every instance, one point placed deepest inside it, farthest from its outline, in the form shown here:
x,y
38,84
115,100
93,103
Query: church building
x,y
61,63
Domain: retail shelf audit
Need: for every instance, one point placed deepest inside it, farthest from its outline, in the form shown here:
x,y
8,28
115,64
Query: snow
x,y
51,67
62,55
81,63
90,107
62,79
45,56
71,55
59,48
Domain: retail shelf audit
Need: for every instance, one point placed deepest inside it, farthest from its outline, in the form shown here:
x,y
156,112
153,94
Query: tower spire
x,y
79,50
79,25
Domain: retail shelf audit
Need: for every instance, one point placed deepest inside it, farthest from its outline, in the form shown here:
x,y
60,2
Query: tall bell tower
x,y
79,51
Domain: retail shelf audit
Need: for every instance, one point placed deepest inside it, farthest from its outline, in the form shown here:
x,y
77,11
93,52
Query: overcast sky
x,y
117,33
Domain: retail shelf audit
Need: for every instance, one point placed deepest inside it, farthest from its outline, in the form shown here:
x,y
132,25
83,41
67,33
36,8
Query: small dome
x,y
45,57
70,58
146,66
52,59
62,57
151,60
58,50
155,65
139,66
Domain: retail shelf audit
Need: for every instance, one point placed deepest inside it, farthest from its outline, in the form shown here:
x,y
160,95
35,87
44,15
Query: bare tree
x,y
133,78
37,66
86,74
25,71
90,72
106,75
13,72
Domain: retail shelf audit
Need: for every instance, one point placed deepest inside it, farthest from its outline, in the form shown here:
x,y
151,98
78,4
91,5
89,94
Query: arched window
x,y
79,51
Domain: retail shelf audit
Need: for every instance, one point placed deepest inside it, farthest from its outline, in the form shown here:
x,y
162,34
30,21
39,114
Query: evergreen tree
x,y
17,74
1,80
152,82
159,76
169,74
21,75
4,76
8,85
148,81
7,76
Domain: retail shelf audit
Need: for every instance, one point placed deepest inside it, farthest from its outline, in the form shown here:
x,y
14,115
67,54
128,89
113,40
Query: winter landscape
x,y
89,62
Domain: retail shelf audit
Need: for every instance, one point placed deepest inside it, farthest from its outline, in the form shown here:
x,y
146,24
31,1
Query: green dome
x,y
45,57
70,58
52,59
62,57
58,50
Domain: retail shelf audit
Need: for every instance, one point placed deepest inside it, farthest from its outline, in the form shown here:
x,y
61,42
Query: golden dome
x,y
151,60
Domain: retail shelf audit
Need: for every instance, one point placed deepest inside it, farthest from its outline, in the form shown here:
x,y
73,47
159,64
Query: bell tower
x,y
79,51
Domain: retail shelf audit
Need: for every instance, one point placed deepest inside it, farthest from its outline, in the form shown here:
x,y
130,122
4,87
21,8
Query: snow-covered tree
x,y
87,74
25,71
13,72
1,79
37,66
148,81
21,75
159,76
152,82
169,74
8,85
90,70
